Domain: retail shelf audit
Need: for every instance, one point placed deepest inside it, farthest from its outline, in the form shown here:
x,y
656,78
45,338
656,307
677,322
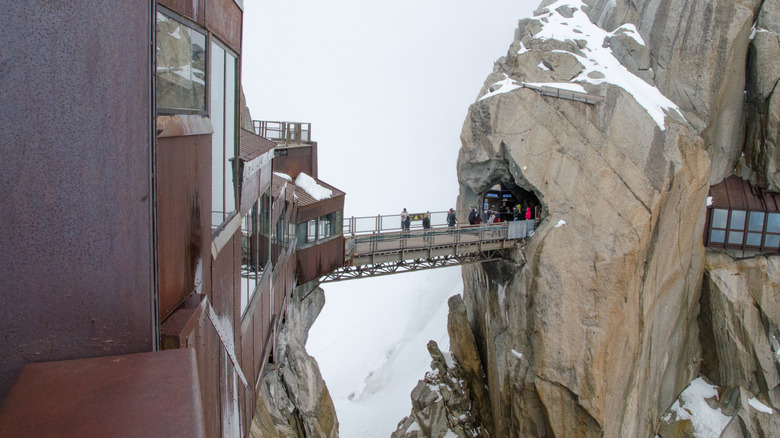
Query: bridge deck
x,y
382,253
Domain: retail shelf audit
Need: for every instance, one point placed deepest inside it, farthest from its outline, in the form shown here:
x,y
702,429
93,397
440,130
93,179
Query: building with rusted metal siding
x,y
742,217
149,254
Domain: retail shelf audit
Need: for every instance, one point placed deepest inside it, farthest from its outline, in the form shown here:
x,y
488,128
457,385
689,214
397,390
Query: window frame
x,y
184,21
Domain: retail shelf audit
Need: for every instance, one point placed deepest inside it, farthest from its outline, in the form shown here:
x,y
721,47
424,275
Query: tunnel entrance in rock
x,y
509,202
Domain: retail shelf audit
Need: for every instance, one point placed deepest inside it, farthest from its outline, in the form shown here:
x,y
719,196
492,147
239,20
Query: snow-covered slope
x,y
370,342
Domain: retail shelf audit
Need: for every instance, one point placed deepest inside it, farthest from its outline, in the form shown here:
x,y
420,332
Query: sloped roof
x,y
251,145
305,199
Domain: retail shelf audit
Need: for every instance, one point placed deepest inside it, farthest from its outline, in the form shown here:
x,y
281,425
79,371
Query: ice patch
x,y
560,223
709,201
517,355
543,67
760,407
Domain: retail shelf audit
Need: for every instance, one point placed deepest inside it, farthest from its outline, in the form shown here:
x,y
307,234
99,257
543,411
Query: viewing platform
x,y
383,249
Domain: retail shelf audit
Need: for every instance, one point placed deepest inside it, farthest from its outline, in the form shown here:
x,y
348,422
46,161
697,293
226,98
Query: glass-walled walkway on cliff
x,y
379,245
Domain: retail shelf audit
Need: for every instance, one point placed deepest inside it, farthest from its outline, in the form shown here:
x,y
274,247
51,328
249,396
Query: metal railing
x,y
283,132
436,237
392,222
578,96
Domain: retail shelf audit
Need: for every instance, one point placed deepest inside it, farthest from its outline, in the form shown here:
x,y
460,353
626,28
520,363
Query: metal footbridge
x,y
377,245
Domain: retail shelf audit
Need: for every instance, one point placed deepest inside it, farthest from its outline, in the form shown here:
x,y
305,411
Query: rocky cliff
x,y
612,308
294,400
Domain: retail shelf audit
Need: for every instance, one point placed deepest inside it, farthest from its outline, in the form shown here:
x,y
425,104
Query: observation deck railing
x,y
283,132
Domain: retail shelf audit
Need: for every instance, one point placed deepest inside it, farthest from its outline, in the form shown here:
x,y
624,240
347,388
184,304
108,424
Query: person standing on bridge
x,y
451,220
473,216
404,220
426,225
528,213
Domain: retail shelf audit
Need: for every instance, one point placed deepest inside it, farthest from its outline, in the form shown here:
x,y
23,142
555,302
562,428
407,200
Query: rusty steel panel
x,y
76,124
321,208
224,280
294,160
144,394
224,18
318,260
183,199
192,9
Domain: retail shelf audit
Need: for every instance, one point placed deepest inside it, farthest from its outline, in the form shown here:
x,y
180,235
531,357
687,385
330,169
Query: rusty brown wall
x,y
223,17
297,160
183,219
320,208
76,141
318,260
192,9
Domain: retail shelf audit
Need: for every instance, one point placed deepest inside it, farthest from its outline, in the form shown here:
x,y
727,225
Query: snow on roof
x,y
283,175
596,58
310,186
707,422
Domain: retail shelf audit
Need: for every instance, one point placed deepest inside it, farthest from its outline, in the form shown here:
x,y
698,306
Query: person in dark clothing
x,y
451,220
473,216
426,225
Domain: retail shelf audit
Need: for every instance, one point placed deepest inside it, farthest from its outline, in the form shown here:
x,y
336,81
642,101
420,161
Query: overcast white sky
x,y
386,86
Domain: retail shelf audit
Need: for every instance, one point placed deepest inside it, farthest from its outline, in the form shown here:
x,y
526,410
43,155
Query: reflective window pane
x,y
735,237
753,239
181,66
217,116
737,220
772,241
756,221
312,236
719,218
230,130
717,236
773,223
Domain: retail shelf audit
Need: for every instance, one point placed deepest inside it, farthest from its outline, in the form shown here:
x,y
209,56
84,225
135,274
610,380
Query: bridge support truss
x,y
394,267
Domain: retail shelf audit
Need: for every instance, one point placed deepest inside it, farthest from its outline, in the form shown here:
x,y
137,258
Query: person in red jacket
x,y
528,213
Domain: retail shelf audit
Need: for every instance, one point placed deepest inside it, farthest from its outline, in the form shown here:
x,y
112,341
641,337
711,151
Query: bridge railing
x,y
436,237
392,222
283,132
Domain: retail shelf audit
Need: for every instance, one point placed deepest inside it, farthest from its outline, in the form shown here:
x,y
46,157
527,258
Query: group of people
x,y
406,221
474,217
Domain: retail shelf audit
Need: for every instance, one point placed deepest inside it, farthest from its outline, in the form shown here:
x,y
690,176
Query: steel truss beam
x,y
375,270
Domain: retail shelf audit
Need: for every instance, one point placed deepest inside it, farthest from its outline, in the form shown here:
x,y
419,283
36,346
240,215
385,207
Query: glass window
x,y
735,237
718,236
301,232
719,218
753,239
181,66
737,220
772,241
756,221
773,223
251,262
312,234
223,140
325,228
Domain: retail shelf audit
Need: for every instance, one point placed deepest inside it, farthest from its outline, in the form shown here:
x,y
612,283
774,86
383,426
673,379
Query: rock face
x,y
761,161
602,310
294,400
709,90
